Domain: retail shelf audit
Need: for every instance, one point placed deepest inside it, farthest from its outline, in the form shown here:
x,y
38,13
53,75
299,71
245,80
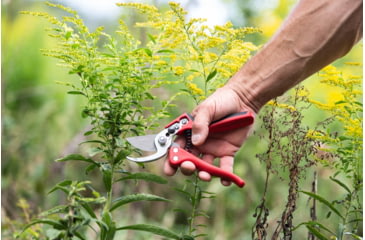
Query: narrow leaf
x,y
152,229
51,222
148,51
152,38
145,176
134,198
76,157
315,225
353,235
90,168
88,209
324,201
187,237
107,179
341,184
76,93
57,209
183,192
77,234
93,141
316,233
165,51
211,75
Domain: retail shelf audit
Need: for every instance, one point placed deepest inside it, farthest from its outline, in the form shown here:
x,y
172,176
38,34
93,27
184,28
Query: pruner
x,y
163,143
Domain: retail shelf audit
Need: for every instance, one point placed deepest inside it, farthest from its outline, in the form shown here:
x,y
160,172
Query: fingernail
x,y
195,138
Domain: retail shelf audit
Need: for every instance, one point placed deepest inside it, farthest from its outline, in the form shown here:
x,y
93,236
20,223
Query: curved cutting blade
x,y
145,143
161,147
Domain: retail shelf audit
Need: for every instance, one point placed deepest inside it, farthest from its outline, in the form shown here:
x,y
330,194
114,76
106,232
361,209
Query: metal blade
x,y
145,143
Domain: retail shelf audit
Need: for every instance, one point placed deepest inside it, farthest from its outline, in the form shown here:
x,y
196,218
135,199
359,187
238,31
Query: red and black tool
x,y
162,143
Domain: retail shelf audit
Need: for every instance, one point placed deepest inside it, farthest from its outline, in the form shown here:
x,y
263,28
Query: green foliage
x,y
152,229
203,58
119,82
193,193
116,77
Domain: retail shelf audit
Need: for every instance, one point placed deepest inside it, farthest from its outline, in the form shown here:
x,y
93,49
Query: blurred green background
x,y
41,123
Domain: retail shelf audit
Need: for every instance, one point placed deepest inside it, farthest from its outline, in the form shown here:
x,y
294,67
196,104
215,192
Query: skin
x,y
315,34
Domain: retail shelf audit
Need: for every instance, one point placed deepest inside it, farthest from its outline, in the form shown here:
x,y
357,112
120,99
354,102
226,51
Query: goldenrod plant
x,y
342,151
117,75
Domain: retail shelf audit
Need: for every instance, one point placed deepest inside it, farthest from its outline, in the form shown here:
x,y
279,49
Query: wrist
x,y
244,100
248,98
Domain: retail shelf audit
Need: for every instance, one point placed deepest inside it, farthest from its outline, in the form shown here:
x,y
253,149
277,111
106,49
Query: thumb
x,y
200,128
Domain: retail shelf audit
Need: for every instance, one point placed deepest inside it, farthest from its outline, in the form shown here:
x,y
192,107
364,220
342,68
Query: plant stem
x,y
195,202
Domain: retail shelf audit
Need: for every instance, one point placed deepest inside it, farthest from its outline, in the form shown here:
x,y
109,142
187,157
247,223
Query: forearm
x,y
315,34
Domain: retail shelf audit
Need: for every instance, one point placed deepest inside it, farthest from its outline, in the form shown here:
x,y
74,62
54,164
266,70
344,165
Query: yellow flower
x,y
194,89
282,105
178,70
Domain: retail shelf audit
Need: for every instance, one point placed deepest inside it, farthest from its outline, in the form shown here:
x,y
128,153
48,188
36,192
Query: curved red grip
x,y
231,122
178,155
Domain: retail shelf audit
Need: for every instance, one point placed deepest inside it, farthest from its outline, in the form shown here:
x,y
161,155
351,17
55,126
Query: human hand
x,y
209,146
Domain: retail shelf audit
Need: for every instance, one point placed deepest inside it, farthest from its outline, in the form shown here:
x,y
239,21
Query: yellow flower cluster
x,y
344,105
178,70
201,55
194,89
282,105
148,10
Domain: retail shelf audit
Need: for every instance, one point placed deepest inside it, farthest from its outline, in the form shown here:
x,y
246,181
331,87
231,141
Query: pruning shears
x,y
163,143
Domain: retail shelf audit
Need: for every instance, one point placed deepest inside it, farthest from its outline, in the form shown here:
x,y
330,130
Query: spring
x,y
189,143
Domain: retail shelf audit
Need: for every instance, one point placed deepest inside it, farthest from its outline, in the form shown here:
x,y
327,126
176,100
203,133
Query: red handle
x,y
227,123
231,122
178,155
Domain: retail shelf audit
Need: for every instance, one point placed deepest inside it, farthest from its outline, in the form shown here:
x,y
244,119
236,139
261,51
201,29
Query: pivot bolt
x,y
162,140
184,121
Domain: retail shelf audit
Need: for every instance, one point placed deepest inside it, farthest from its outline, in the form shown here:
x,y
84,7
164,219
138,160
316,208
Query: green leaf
x,y
108,232
88,209
189,195
76,157
134,198
88,133
90,168
211,75
61,186
77,234
152,38
316,233
152,229
107,179
57,209
94,141
315,225
165,51
324,201
187,237
358,103
76,93
341,184
94,151
353,235
147,51
51,222
340,102
145,176
149,96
